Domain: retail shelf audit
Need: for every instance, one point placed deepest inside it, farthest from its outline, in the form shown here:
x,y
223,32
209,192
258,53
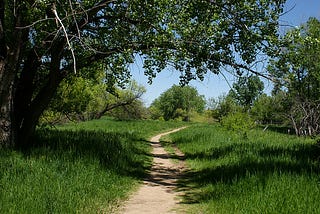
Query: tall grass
x,y
141,128
77,168
267,173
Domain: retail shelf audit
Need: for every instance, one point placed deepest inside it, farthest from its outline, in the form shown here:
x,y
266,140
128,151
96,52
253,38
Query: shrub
x,y
239,122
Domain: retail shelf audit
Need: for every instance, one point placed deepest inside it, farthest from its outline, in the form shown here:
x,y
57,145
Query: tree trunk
x,y
8,73
39,104
294,124
9,69
6,83
21,104
19,112
25,86
7,133
41,101
8,128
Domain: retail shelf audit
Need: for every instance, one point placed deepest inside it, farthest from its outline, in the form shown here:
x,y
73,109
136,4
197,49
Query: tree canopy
x,y
297,68
43,42
246,90
297,65
222,106
80,98
179,102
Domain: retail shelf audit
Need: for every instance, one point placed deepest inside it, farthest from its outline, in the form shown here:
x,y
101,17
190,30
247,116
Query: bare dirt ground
x,y
158,193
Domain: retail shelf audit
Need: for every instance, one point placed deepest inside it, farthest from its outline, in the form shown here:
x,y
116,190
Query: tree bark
x,y
33,113
40,102
6,81
7,137
9,61
8,126
25,86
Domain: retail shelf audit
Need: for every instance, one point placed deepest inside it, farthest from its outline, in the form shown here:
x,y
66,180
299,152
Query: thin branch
x,y
225,78
36,22
235,65
74,18
67,38
82,22
288,11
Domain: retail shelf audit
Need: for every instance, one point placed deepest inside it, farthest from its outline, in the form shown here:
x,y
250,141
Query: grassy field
x,y
267,173
77,168
91,167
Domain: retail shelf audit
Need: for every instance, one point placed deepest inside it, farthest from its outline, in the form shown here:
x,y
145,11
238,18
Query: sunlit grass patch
x,y
267,173
71,172
88,167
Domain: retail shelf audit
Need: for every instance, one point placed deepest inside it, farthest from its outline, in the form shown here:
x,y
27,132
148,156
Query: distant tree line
x,y
178,103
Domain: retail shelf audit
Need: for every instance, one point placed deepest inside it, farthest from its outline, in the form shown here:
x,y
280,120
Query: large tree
x,y
297,68
44,41
246,90
179,102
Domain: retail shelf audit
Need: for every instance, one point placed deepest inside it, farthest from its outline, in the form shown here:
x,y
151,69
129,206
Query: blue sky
x,y
299,12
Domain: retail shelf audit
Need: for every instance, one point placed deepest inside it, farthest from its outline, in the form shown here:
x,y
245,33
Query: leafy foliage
x,y
239,122
205,35
297,65
125,103
297,69
246,90
84,99
79,95
223,106
44,42
179,102
270,109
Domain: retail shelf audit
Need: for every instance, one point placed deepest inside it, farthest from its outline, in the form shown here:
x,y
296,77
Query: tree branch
x,y
67,38
120,103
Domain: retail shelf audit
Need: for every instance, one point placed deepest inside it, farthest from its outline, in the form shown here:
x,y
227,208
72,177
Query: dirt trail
x,y
157,195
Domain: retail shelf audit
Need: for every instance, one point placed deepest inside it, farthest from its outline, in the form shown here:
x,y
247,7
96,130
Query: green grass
x,y
141,128
267,173
77,168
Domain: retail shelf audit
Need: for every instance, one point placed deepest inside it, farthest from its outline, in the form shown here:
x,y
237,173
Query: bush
x,y
51,118
223,106
239,122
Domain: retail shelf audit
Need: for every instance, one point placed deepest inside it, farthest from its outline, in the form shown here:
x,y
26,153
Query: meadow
x,y
91,167
268,172
88,167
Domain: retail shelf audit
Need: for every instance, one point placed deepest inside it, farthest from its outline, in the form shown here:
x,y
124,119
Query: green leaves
x,y
246,90
77,94
297,66
205,35
51,39
239,122
178,102
193,36
298,69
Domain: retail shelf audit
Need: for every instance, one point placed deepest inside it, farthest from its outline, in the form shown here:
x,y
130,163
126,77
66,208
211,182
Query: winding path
x,y
157,195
